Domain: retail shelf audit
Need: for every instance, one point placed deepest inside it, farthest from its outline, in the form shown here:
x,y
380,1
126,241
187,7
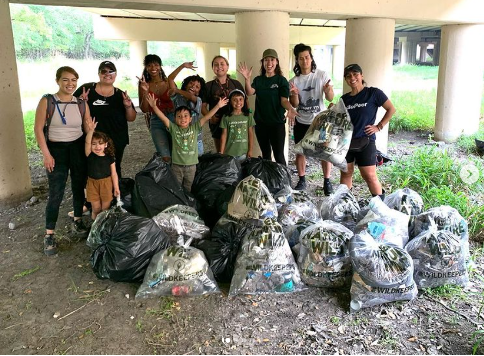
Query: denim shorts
x,y
160,135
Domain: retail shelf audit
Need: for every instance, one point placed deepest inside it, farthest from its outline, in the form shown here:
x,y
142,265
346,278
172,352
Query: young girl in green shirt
x,y
237,128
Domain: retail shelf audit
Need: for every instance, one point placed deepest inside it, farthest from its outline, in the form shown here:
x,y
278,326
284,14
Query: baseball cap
x,y
270,53
352,68
107,64
236,91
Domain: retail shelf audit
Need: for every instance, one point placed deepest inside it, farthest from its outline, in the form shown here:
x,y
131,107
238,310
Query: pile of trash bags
x,y
245,227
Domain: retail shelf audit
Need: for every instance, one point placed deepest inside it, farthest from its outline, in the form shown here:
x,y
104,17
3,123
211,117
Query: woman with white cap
x,y
362,103
272,93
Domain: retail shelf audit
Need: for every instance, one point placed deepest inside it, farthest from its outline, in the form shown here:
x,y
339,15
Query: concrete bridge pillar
x,y
137,53
205,54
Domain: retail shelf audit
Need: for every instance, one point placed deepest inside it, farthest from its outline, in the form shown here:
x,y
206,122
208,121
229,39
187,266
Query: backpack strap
x,y
48,113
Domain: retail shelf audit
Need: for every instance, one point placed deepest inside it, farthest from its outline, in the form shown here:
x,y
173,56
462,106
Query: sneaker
x,y
50,246
301,185
79,229
327,188
85,212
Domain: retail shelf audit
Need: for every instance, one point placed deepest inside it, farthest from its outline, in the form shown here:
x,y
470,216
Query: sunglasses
x,y
107,71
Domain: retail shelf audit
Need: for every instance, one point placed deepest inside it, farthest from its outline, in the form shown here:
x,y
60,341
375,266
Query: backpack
x,y
51,108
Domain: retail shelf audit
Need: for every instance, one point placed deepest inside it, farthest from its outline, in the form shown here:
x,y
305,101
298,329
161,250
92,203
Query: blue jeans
x,y
160,135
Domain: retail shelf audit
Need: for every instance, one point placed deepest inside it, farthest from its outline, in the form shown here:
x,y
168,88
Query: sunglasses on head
x,y
107,71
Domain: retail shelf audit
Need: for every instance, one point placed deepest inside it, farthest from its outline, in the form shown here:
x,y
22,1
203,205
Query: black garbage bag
x,y
156,188
215,173
126,186
224,198
274,175
102,227
125,255
222,248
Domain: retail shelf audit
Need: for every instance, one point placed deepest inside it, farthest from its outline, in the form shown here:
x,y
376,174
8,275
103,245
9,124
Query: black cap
x,y
107,64
352,68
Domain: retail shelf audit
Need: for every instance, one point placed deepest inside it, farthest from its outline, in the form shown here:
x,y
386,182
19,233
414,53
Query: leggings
x,y
271,138
69,158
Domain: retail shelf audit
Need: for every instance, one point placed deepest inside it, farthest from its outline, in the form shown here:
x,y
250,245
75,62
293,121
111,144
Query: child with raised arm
x,y
237,128
184,139
101,170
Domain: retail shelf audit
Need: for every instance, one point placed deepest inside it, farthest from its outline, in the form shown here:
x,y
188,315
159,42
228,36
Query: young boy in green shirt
x,y
184,156
237,128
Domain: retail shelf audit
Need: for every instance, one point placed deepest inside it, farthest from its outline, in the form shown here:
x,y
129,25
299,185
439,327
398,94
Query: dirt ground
x,y
56,305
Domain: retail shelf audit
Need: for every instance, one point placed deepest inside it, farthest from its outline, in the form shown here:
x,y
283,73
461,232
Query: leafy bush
x,y
29,120
467,142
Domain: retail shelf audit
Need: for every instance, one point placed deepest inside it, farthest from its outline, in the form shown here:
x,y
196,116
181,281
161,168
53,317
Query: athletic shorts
x,y
367,157
299,131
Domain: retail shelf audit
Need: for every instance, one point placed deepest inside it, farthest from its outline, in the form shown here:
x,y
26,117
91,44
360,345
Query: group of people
x,y
88,140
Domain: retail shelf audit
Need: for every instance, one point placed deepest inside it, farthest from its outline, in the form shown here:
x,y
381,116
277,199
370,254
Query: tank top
x,y
163,103
72,129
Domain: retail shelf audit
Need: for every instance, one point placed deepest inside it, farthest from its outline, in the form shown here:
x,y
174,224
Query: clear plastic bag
x,y
181,225
178,271
406,201
252,200
444,218
439,259
185,212
329,136
324,260
386,225
341,207
382,273
265,263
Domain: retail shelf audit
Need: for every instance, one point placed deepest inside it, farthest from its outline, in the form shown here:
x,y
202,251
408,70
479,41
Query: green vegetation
x,y
44,31
29,120
25,273
434,174
467,142
415,110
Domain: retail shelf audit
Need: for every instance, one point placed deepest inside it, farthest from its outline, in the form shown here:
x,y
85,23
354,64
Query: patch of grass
x,y
467,142
434,174
415,110
316,175
164,310
388,339
25,273
335,320
91,295
139,326
29,121
445,291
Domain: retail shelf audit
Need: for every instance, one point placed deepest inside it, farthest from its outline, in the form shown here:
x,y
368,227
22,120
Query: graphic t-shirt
x,y
99,167
311,96
185,145
237,133
109,112
363,108
268,91
196,109
215,91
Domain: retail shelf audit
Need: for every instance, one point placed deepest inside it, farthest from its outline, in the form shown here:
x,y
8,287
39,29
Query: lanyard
x,y
63,113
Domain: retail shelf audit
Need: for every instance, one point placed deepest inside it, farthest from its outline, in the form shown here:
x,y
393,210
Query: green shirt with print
x,y
268,92
185,144
237,133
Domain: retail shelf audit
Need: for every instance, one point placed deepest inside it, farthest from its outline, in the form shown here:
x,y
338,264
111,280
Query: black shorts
x,y
299,131
367,157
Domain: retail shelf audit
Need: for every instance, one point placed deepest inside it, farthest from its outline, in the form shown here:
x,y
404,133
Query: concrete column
x,y
404,51
205,54
137,53
338,62
254,33
400,45
459,91
15,185
423,52
377,34
435,59
412,52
